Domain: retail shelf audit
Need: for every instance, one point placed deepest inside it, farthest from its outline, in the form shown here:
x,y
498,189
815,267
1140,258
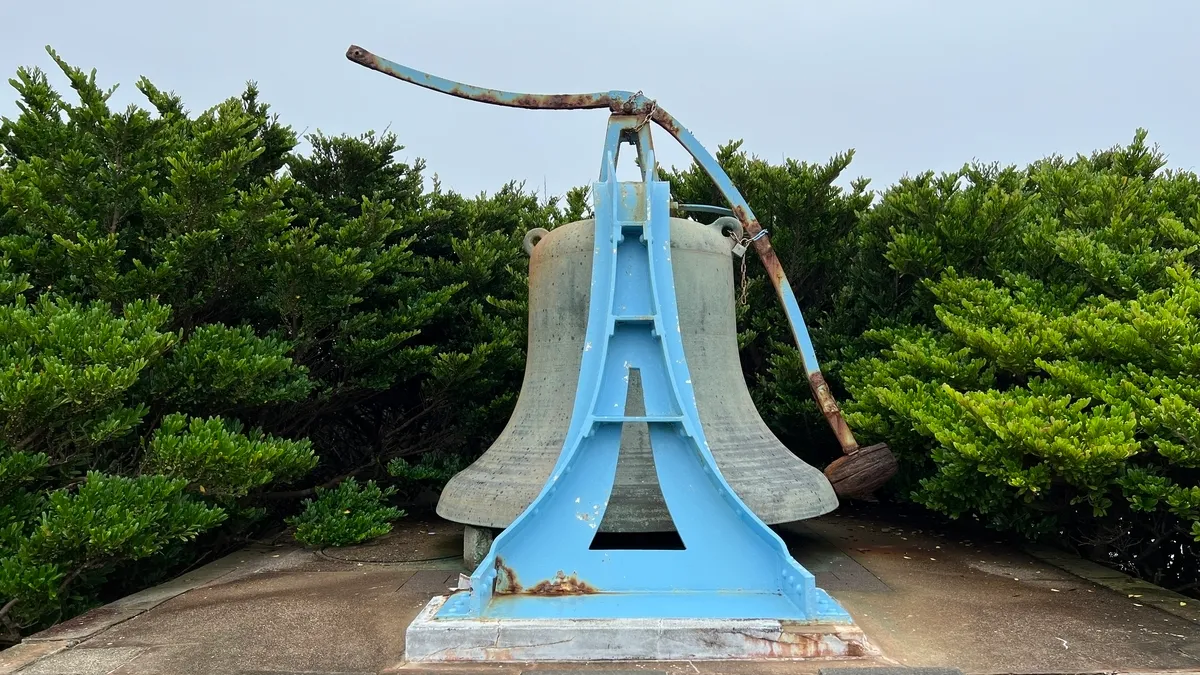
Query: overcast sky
x,y
909,85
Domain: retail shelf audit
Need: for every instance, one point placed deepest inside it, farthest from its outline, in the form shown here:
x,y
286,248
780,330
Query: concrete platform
x,y
430,639
924,597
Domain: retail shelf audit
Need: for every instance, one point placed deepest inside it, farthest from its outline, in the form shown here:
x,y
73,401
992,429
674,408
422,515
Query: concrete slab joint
x,y
1147,593
21,655
96,661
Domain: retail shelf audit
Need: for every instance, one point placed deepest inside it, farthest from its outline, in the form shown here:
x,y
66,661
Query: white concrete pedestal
x,y
528,640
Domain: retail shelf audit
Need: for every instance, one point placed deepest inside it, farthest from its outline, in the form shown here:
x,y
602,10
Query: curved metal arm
x,y
616,101
634,103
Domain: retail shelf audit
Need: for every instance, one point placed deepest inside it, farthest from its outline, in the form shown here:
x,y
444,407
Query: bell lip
x,y
822,506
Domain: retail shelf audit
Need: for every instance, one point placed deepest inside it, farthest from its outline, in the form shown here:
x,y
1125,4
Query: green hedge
x,y
199,328
205,334
1031,351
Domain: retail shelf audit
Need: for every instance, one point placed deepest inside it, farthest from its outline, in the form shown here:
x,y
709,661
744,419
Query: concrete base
x,y
477,541
562,640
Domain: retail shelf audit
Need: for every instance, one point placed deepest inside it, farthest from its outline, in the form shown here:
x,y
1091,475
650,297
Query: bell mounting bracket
x,y
544,565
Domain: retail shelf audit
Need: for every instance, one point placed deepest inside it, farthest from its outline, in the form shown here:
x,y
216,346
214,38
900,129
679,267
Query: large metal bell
x,y
775,484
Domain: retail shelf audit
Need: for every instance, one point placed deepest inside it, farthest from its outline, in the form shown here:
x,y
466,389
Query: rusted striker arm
x,y
616,101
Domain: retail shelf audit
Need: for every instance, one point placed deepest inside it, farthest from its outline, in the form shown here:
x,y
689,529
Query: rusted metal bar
x,y
614,101
833,414
635,103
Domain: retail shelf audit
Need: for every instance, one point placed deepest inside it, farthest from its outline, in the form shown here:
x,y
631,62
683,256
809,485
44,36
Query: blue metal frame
x,y
733,565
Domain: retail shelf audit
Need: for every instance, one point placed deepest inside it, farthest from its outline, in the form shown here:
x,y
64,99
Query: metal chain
x,y
745,241
742,298
649,113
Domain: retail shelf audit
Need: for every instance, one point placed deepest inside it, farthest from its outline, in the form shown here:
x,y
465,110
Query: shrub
x,y
70,378
48,565
346,514
123,235
431,473
184,298
222,461
1034,360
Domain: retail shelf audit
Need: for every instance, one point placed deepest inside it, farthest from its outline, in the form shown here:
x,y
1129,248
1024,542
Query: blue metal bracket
x,y
732,565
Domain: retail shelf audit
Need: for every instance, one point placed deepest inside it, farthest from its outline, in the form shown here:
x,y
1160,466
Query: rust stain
x,y
665,121
762,245
622,106
833,414
561,101
562,585
856,649
812,642
359,55
537,101
791,643
770,262
506,584
531,101
506,580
